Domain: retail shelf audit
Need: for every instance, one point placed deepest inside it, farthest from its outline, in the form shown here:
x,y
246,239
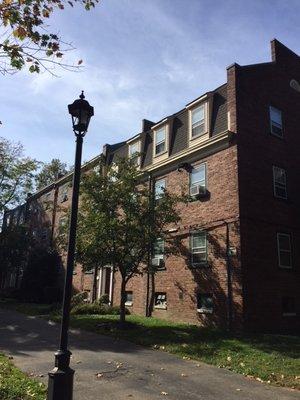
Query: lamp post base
x,y
60,383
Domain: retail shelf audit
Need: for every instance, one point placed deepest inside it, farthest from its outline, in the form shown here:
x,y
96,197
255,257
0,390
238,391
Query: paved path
x,y
143,374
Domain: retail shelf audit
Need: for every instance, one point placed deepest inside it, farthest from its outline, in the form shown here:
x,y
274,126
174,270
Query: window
x,y
279,183
204,303
134,150
198,178
160,140
198,121
128,298
198,248
63,193
159,188
158,254
276,122
288,306
160,300
284,250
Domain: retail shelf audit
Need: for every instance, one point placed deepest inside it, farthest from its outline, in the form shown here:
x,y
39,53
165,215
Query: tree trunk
x,y
122,303
94,293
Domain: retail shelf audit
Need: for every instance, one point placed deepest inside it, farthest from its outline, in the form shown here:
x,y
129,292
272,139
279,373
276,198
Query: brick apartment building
x,y
237,149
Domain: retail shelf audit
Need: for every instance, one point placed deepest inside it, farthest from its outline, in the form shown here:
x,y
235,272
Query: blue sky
x,y
142,59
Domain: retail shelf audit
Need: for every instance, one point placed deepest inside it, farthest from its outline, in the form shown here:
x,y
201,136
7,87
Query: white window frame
x,y
160,306
195,168
159,195
191,111
160,256
205,310
272,122
165,141
279,185
199,250
132,155
289,236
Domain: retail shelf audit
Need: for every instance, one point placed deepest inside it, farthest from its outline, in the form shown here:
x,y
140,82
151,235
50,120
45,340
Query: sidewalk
x,y
125,370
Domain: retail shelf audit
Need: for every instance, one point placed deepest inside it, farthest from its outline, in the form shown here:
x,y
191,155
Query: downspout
x,y
229,280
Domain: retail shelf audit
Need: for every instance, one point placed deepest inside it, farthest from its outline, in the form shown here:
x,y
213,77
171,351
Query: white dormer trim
x,y
196,102
133,139
158,125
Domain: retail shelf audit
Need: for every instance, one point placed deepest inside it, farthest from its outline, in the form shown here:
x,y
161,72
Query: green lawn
x,y
15,385
274,359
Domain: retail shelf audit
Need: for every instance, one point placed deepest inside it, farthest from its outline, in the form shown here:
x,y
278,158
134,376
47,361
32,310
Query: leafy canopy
x,y
16,174
119,219
25,39
50,172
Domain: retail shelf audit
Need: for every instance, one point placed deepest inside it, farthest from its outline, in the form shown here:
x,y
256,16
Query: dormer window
x,y
198,121
134,150
160,140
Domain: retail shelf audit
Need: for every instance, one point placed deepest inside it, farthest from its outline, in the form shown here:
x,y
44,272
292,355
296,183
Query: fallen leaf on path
x,y
99,376
183,375
164,393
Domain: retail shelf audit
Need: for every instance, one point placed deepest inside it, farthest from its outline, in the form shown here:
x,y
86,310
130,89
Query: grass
x,y
15,385
274,359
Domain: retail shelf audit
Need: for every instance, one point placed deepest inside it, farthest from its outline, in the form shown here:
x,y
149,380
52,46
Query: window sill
x,y
200,265
160,307
204,311
160,154
197,136
291,314
285,267
129,304
278,136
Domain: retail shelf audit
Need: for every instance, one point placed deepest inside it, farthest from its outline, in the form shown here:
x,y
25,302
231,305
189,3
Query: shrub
x,y
104,299
96,309
92,308
79,298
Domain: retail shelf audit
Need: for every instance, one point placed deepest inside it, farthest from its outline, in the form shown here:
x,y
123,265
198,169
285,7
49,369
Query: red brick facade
x,y
240,215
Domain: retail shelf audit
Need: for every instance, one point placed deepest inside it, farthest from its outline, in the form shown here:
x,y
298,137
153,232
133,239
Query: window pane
x,y
198,175
284,242
159,148
199,258
160,188
205,301
199,240
285,259
275,115
159,247
160,135
280,192
133,148
198,114
279,175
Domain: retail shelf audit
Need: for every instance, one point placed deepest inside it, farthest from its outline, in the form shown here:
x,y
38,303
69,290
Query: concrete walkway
x,y
127,371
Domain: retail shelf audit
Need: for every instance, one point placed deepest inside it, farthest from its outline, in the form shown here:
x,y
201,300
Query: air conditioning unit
x,y
198,191
157,262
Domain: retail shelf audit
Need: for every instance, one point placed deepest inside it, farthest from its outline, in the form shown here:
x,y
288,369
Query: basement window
x,y
160,300
205,303
288,306
128,298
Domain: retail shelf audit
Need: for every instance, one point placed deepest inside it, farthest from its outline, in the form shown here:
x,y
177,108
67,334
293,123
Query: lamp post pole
x,y
60,384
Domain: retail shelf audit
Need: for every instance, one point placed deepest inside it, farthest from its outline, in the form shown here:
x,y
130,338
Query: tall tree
x,y
25,39
50,172
119,221
16,174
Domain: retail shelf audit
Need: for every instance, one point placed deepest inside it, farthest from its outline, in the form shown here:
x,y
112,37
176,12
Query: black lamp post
x,y
60,385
